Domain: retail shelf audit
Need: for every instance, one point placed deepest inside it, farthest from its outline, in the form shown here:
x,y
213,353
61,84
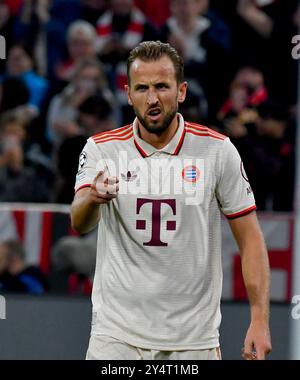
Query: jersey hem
x,y
191,347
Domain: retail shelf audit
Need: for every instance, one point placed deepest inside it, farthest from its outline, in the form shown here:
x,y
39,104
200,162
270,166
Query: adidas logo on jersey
x,y
129,177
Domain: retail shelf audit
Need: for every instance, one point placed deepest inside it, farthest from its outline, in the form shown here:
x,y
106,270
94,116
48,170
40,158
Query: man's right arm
x,y
85,209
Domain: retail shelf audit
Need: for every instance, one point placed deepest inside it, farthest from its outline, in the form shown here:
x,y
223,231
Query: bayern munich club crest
x,y
191,174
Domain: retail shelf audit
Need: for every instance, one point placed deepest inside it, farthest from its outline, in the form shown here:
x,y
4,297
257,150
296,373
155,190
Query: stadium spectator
x,y
68,258
13,5
17,276
42,24
8,99
247,92
88,78
12,137
120,29
266,146
92,10
6,29
263,35
95,116
31,30
203,39
150,9
24,176
81,44
275,159
20,65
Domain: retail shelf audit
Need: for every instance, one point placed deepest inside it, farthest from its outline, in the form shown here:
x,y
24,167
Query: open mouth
x,y
154,114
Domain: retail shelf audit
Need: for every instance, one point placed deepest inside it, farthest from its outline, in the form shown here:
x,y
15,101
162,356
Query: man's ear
x,y
182,90
127,89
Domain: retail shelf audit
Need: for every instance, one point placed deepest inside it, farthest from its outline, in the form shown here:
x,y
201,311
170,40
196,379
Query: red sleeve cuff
x,y
82,187
241,213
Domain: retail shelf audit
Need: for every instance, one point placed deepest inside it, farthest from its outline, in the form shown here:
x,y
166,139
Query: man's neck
x,y
159,141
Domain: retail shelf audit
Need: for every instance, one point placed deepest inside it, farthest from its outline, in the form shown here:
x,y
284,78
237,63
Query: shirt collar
x,y
172,148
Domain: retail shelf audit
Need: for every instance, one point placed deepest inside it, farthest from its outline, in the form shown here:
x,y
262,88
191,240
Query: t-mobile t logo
x,y
156,220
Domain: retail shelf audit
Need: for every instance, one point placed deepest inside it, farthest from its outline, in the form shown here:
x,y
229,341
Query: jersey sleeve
x,y
89,165
234,192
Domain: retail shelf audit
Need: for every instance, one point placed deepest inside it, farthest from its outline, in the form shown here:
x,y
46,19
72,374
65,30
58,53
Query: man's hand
x,y
85,210
256,275
258,341
104,188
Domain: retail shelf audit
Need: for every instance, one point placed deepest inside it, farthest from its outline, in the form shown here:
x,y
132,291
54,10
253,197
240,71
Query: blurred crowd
x,y
63,81
16,275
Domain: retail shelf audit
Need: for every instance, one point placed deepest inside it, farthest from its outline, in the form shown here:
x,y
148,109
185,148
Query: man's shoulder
x,y
118,135
198,132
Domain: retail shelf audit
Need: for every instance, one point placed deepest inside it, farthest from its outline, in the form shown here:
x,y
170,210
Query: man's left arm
x,y
256,274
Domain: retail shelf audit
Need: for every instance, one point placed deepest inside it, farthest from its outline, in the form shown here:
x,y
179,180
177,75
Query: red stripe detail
x,y
206,129
143,153
19,217
203,134
241,213
216,133
177,150
136,27
114,131
46,241
82,187
115,138
104,30
198,128
113,135
201,127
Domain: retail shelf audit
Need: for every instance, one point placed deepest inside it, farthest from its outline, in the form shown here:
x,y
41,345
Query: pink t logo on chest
x,y
156,220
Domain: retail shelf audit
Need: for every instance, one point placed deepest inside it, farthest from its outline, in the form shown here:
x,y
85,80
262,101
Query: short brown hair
x,y
154,50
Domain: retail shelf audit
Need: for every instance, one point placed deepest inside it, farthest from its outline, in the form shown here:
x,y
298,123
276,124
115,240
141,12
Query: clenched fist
x,y
104,188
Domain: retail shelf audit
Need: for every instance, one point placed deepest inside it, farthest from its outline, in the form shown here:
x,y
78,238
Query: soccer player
x,y
158,278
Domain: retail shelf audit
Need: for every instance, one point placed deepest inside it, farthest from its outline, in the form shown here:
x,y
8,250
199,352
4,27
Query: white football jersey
x,y
158,278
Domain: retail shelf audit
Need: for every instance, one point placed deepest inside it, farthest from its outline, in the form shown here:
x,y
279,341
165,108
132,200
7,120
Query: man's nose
x,y
152,97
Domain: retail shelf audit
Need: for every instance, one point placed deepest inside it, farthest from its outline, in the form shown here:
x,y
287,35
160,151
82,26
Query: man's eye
x,y
142,88
161,86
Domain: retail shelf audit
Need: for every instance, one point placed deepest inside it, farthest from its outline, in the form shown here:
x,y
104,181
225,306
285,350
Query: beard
x,y
157,127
